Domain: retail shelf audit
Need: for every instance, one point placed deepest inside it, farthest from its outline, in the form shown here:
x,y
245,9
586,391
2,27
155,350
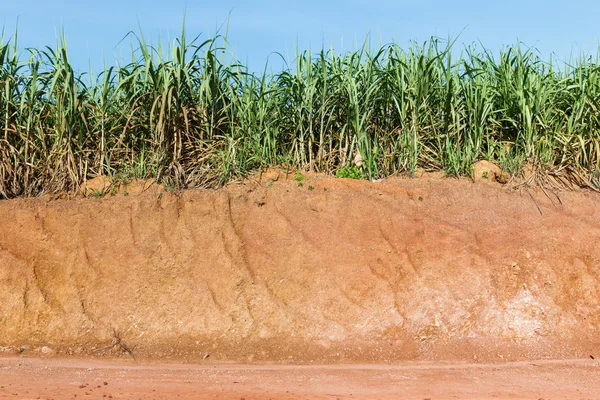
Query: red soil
x,y
331,272
77,379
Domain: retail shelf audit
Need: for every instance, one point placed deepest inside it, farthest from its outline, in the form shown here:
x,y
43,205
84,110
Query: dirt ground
x,y
70,379
330,271
319,272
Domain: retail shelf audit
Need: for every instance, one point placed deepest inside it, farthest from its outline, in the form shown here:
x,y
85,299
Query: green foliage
x,y
96,194
352,172
182,115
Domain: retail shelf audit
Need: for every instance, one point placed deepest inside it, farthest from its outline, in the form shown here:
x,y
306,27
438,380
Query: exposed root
x,y
116,342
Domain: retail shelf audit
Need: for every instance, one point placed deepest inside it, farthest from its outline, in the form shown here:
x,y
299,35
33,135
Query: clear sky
x,y
259,28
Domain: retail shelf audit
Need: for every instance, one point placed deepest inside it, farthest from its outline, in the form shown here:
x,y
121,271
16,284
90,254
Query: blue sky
x,y
261,27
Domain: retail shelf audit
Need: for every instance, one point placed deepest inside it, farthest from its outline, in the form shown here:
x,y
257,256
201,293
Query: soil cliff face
x,y
343,271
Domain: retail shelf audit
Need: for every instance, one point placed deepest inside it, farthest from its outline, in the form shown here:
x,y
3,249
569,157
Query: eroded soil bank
x,y
335,271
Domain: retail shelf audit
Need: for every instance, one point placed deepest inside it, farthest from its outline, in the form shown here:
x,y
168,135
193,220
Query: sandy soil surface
x,y
83,379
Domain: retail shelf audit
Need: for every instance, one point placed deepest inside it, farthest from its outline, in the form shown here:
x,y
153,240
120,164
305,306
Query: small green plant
x,y
270,183
126,193
300,184
310,187
352,172
299,177
485,175
96,194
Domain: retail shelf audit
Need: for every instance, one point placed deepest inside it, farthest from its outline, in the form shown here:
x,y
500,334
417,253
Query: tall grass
x,y
184,116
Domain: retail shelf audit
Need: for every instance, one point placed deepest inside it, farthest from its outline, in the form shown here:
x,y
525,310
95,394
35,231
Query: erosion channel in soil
x,y
329,271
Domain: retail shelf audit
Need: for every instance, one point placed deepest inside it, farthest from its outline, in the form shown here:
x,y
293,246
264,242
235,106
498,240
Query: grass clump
x,y
182,115
352,172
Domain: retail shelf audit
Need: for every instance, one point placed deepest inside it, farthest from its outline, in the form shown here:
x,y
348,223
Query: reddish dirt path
x,y
24,378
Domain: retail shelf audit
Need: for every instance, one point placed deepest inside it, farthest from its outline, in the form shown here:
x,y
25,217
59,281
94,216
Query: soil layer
x,y
320,271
